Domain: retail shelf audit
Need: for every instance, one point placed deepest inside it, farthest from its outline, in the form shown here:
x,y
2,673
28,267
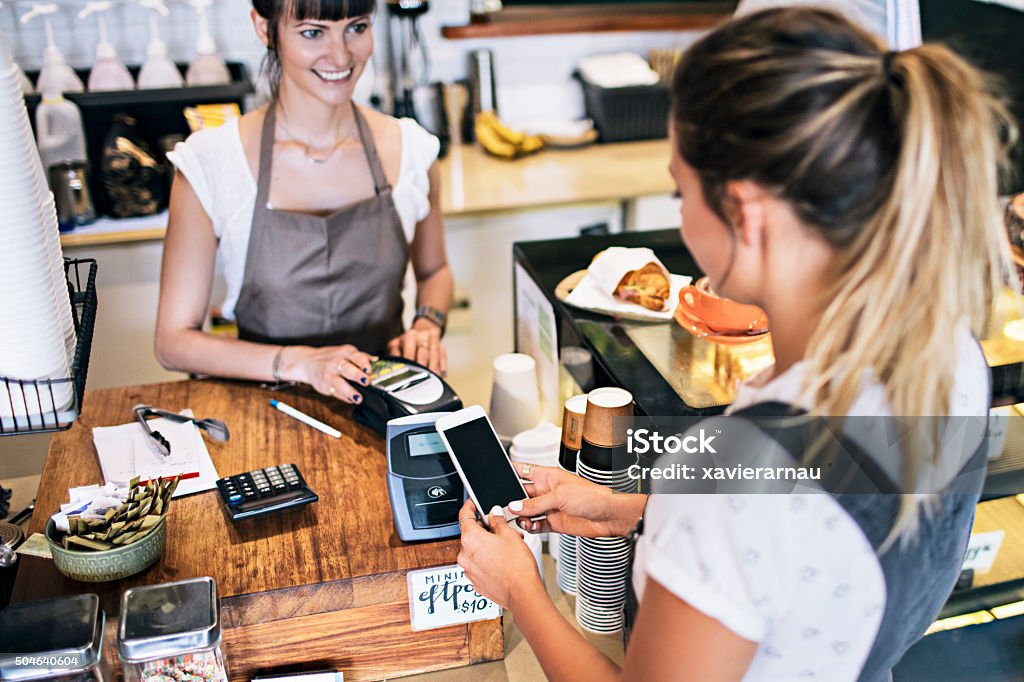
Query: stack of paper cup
x,y
603,563
537,446
572,439
36,330
515,401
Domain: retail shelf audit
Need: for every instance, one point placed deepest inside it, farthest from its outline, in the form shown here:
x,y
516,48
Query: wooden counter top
x,y
325,583
474,183
596,173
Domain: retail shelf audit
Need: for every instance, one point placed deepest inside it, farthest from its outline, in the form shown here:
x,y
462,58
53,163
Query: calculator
x,y
263,491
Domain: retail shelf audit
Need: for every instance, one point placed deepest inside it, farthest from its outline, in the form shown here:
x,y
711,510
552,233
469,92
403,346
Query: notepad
x,y
124,453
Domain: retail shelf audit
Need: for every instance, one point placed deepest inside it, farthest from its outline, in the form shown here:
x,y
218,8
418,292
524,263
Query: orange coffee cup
x,y
721,314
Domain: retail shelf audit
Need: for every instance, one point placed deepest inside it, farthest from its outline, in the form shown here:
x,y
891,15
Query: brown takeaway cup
x,y
572,431
604,426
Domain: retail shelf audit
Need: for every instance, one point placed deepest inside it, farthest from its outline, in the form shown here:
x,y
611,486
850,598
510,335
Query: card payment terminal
x,y
400,387
425,489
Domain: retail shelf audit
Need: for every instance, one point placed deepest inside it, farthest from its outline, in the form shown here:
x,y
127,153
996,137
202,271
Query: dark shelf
x,y
159,113
522,21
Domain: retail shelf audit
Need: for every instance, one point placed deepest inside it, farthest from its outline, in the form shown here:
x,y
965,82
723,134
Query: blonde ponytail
x,y
893,158
931,258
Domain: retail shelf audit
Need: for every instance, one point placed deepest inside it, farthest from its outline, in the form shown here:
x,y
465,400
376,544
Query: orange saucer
x,y
689,321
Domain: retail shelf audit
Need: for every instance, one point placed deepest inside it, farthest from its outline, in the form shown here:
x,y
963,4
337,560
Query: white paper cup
x,y
515,401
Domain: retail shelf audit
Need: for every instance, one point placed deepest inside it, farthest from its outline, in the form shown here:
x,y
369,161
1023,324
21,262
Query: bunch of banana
x,y
501,141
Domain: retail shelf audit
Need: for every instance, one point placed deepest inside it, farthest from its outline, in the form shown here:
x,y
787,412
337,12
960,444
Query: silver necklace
x,y
305,146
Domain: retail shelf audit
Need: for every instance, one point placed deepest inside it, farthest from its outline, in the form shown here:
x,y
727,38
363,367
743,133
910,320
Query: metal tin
x,y
161,621
61,630
10,534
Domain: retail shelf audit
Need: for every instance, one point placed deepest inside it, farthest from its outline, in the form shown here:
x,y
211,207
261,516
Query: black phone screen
x,y
486,467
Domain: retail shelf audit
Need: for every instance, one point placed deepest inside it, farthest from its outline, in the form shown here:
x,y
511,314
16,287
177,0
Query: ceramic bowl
x,y
109,564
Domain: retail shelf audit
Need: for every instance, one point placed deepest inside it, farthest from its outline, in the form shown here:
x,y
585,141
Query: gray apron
x,y
920,576
323,281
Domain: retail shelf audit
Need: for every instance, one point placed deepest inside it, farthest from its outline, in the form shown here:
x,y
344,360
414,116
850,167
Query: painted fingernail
x,y
516,505
496,511
364,381
536,525
366,370
357,398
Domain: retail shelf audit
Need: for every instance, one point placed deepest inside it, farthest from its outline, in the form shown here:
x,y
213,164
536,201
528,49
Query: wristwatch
x,y
433,314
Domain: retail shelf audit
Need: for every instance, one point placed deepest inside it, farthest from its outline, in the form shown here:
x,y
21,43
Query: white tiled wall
x,y
533,73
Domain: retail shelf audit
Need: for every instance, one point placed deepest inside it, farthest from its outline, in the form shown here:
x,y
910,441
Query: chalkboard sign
x,y
990,36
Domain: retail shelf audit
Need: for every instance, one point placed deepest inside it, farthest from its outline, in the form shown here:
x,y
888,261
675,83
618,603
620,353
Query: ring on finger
x,y
340,369
526,469
466,518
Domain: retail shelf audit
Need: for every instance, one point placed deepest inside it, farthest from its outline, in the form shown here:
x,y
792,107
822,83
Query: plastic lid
x,y
64,628
540,441
159,621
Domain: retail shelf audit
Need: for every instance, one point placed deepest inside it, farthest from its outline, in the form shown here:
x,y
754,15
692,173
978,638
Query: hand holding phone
x,y
480,459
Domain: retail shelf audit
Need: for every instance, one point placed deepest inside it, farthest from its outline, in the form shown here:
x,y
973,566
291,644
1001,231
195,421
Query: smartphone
x,y
478,456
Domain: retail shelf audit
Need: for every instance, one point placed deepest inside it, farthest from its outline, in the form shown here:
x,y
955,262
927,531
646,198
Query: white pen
x,y
306,419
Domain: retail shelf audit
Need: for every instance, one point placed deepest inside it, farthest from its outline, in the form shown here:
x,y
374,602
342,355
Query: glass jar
x,y
171,632
59,640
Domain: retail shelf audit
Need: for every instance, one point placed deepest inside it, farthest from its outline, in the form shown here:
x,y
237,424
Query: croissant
x,y
648,286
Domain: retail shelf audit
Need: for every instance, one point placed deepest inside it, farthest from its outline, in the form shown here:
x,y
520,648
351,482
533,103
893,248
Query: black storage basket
x,y
637,112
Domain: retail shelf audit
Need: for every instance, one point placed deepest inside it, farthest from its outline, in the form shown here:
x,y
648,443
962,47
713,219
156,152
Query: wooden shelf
x,y
522,21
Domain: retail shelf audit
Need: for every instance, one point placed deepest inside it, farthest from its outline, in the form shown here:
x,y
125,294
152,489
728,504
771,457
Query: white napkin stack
x,y
618,70
37,335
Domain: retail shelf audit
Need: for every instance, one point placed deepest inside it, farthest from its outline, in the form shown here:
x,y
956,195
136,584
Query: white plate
x,y
581,291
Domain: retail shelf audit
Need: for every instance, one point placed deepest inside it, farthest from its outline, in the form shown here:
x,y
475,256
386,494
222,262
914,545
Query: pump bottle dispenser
x,y
56,75
60,133
158,71
208,67
109,72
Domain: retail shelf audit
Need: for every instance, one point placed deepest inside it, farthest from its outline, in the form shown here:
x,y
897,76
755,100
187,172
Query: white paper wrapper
x,y
611,265
588,296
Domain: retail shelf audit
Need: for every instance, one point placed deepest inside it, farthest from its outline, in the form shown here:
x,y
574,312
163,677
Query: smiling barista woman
x,y
315,206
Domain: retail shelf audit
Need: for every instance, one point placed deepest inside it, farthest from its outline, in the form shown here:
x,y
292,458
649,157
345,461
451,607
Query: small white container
x,y
60,133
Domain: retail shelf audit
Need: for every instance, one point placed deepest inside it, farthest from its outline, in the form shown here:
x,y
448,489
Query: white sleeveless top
x,y
214,162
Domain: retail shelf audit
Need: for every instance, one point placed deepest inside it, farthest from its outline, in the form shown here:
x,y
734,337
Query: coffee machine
x,y
404,40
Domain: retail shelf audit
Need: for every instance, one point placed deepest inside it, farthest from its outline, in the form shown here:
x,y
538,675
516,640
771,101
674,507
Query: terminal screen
x,y
423,444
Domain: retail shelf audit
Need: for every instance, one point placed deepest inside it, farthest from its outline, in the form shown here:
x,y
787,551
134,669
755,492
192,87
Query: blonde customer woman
x,y
851,193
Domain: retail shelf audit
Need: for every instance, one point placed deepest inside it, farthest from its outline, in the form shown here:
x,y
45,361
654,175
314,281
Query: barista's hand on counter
x,y
497,561
422,343
574,505
326,369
